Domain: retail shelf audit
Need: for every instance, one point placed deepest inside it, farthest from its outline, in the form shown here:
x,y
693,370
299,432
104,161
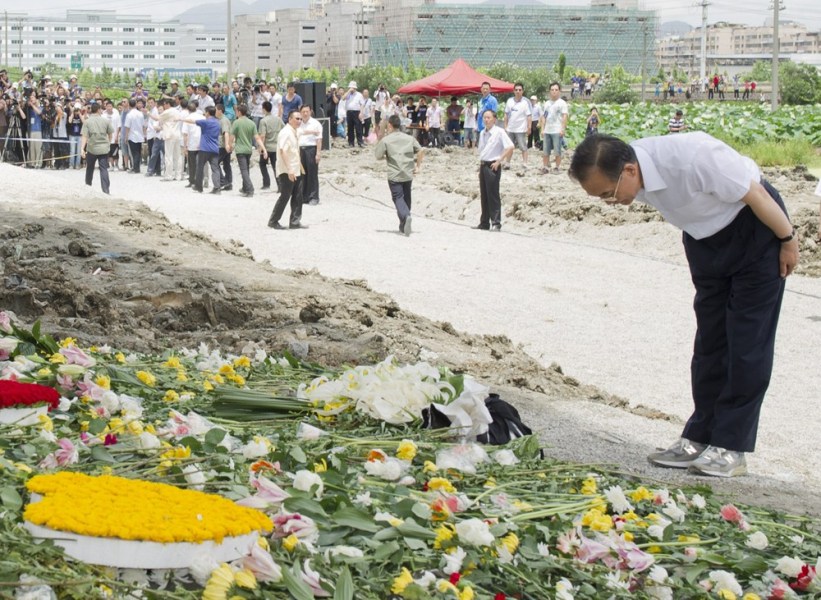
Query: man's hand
x,y
788,258
317,158
291,177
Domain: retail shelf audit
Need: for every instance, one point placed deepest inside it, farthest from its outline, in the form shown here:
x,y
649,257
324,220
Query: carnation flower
x,y
474,532
304,431
757,540
453,561
724,580
505,458
390,469
790,567
615,496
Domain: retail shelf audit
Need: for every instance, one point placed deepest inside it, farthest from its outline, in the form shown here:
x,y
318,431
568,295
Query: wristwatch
x,y
788,238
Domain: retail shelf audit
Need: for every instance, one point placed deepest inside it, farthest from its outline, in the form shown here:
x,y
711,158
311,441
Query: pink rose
x,y
732,514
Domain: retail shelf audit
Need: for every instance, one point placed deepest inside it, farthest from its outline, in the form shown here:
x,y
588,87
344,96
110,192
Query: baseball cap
x,y
175,82
534,98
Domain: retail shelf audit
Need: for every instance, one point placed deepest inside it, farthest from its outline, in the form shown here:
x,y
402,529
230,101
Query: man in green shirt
x,y
96,141
269,128
244,137
227,176
400,149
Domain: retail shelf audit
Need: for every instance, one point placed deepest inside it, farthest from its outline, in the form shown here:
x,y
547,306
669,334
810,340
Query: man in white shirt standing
x,y
135,134
380,100
172,131
495,148
289,173
310,149
553,124
112,115
740,246
366,114
517,119
354,101
191,141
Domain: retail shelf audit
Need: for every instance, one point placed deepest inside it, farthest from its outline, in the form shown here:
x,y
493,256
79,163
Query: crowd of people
x,y
712,87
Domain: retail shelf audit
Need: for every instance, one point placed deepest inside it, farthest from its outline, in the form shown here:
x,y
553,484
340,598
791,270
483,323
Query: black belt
x,y
487,163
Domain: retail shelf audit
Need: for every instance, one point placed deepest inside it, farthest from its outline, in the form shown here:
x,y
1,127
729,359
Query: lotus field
x,y
736,123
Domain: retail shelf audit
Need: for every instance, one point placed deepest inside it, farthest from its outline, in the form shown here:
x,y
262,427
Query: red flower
x,y
454,578
499,596
804,579
110,439
14,393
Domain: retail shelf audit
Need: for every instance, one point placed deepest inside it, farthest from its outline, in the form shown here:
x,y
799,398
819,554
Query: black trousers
x,y
135,149
192,167
263,168
212,159
401,196
737,303
226,175
366,127
354,127
290,191
102,159
310,180
489,181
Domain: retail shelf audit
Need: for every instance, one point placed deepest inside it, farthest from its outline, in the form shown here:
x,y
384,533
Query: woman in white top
x,y
434,124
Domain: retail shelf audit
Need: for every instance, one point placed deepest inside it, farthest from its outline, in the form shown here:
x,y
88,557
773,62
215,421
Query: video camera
x,y
162,86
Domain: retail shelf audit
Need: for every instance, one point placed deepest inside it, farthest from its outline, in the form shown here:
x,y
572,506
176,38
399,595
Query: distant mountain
x,y
213,15
674,28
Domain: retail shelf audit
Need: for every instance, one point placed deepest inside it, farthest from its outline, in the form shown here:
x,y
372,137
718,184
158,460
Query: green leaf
x,y
751,564
215,436
411,528
10,498
415,544
298,454
351,517
96,426
306,506
344,585
35,330
101,454
385,550
298,588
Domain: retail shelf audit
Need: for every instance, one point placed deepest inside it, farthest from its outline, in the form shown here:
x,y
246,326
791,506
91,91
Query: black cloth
x,y
354,128
310,180
136,152
290,191
491,200
737,302
401,196
226,174
271,159
102,159
192,166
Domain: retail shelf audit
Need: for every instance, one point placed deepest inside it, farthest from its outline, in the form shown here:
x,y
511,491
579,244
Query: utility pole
x,y
6,39
776,49
644,60
20,44
229,62
703,66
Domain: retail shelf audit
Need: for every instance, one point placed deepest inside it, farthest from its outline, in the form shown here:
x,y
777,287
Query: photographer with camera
x,y
33,116
59,133
173,93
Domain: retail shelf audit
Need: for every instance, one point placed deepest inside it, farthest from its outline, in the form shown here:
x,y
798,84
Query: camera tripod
x,y
13,147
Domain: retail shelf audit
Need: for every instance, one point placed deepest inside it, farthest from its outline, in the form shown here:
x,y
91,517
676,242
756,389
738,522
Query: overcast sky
x,y
741,11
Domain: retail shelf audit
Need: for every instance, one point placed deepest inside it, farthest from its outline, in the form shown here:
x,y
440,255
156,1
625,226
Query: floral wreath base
x,y
130,554
26,415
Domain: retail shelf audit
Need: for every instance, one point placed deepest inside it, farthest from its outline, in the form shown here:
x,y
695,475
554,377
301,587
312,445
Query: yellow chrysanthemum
x,y
226,370
171,396
23,467
689,539
511,542
628,537
640,494
490,483
104,381
173,362
441,484
321,466
46,424
406,450
207,386
44,372
597,521
218,379
466,593
654,549
115,425
245,579
443,586
237,379
119,357
444,533
402,581
429,467
242,361
727,595
589,487
630,516
181,376
57,359
290,542
750,596
220,581
147,378
135,428
68,342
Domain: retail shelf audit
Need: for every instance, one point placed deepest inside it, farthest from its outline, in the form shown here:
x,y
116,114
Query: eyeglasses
x,y
612,198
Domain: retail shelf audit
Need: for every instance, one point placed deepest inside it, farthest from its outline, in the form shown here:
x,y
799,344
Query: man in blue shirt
x,y
209,150
291,101
486,102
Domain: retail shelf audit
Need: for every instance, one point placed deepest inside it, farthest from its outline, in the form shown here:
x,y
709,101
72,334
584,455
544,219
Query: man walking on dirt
x,y
243,138
400,149
96,143
289,173
740,246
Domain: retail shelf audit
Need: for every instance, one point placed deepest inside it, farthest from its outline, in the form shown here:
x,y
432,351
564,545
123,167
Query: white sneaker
x,y
719,462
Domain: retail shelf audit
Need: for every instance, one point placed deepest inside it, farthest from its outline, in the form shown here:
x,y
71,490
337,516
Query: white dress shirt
x,y
694,180
493,143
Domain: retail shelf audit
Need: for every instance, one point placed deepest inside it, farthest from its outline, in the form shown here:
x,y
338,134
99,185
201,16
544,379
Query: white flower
x,y
8,345
363,499
505,458
462,458
349,551
304,480
256,448
304,431
659,592
148,441
390,469
474,532
758,540
194,475
724,580
698,501
797,539
110,401
656,531
615,582
543,549
24,364
564,589
201,567
674,512
790,567
428,579
453,561
615,496
407,480
658,574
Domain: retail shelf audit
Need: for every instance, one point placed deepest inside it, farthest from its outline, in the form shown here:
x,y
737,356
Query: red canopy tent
x,y
457,79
